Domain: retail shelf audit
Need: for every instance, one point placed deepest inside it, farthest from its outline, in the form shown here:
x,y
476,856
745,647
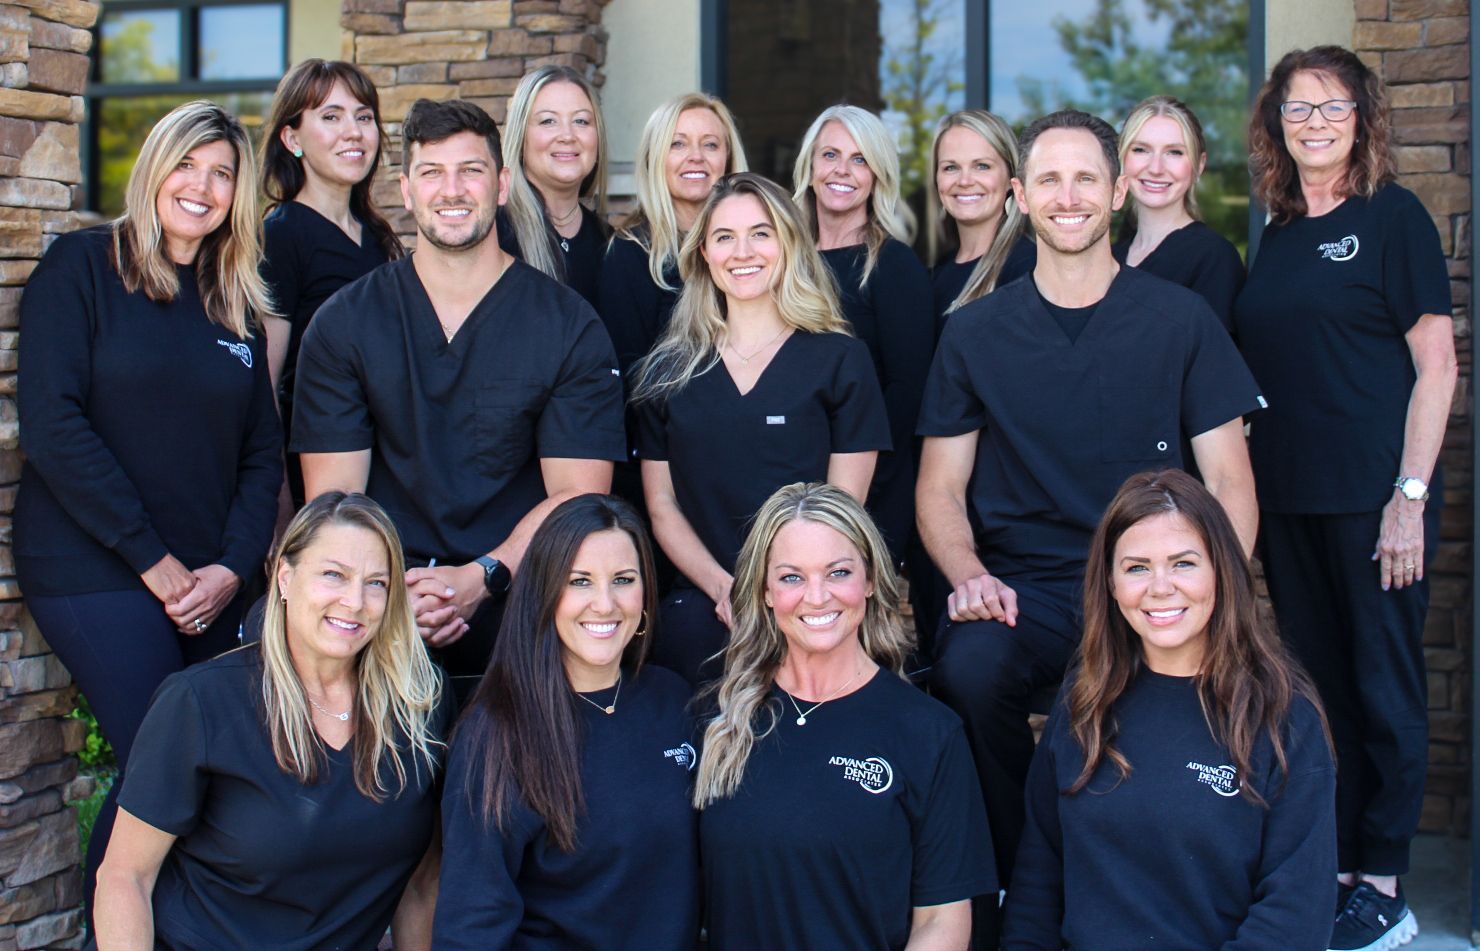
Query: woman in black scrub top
x,y
1182,796
1162,155
320,151
1345,321
757,383
285,794
846,183
555,151
840,805
975,158
567,820
688,144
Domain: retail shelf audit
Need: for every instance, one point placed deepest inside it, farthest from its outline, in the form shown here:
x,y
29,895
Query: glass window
x,y
140,46
241,42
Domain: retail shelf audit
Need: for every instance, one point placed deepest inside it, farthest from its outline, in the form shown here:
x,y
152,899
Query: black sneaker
x,y
1371,921
1343,892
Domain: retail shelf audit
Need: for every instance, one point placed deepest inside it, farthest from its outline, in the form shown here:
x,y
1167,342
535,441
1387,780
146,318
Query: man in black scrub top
x,y
1044,397
464,391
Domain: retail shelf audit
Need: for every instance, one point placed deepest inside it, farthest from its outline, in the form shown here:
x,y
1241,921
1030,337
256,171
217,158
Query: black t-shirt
x,y
1322,323
1063,424
261,860
581,253
891,315
1172,856
1071,320
842,826
949,276
148,430
457,428
634,308
728,452
633,880
1200,259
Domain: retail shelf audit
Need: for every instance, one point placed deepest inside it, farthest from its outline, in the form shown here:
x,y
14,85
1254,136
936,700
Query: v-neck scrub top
x,y
1199,259
1062,425
841,827
457,428
261,860
727,451
949,276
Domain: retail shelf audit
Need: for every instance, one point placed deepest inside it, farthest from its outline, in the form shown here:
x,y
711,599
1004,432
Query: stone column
x,y
43,71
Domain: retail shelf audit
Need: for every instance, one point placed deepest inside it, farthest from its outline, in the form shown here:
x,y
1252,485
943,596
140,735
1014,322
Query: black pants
x,y
689,636
1363,647
118,647
988,673
466,659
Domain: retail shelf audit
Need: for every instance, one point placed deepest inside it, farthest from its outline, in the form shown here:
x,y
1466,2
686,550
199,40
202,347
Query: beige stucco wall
x,y
313,29
1300,24
652,54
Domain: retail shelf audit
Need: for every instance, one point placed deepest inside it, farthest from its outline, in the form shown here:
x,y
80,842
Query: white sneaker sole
x,y
1398,935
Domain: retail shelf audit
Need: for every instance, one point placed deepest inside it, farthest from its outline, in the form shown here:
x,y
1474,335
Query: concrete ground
x,y
1438,889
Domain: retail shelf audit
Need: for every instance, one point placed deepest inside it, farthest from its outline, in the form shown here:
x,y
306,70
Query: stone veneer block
x,y
436,46
78,13
458,14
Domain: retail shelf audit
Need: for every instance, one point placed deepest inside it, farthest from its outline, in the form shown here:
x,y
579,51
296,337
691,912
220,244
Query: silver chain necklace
x,y
610,708
341,717
744,360
802,715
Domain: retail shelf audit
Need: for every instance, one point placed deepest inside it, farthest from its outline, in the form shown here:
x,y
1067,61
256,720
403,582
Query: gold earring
x,y
642,625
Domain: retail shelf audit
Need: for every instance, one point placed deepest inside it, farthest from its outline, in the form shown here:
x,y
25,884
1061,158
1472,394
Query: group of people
x,y
475,703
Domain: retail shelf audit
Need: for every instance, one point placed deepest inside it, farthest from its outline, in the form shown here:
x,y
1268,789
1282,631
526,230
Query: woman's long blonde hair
x,y
804,292
654,223
997,134
231,289
757,645
888,216
397,688
526,206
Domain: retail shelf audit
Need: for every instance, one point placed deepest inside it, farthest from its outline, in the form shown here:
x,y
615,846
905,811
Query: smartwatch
x,y
1413,488
496,575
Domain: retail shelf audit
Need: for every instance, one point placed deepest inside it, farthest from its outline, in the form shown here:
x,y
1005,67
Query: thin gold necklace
x,y
756,352
610,708
803,714
568,218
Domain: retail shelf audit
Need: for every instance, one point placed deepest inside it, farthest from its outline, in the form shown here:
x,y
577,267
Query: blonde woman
x,y
689,143
756,383
153,452
1162,155
555,151
847,185
284,795
974,159
842,799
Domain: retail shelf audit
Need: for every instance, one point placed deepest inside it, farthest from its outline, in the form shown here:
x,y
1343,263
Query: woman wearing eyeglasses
x,y
1345,321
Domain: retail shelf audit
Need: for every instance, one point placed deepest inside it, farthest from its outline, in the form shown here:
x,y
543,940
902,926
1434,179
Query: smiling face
x,y
970,176
336,593
841,178
817,587
1318,144
1165,585
1159,166
338,137
1067,192
600,609
741,248
453,188
560,141
195,198
697,156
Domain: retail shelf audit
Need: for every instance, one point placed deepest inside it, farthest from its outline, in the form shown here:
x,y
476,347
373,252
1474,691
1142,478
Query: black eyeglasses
x,y
1335,110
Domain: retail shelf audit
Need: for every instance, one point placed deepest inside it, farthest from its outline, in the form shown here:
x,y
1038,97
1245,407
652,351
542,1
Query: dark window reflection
x,y
241,42
140,46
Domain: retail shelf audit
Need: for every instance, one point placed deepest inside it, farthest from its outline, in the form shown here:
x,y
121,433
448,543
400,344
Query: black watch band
x,y
496,575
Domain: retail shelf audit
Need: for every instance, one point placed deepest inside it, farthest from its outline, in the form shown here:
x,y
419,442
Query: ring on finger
x,y
199,625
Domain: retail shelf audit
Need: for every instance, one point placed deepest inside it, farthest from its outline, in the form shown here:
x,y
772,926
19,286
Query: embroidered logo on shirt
x,y
874,774
1223,779
1343,250
682,754
775,420
1263,403
616,372
240,350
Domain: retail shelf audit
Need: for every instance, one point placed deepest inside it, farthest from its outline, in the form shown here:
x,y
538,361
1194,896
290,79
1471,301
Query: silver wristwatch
x,y
1413,488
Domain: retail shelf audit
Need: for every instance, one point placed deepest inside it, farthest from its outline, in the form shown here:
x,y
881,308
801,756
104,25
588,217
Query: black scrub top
x,y
841,827
581,253
457,428
633,880
891,315
727,452
633,307
261,860
1063,424
949,276
1200,259
1322,323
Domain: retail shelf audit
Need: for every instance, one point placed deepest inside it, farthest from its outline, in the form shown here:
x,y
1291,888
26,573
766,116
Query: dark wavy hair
x,y
307,86
1275,177
1247,681
530,738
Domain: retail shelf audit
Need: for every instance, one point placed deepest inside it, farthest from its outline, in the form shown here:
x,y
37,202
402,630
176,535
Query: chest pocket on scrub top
x,y
1139,424
507,410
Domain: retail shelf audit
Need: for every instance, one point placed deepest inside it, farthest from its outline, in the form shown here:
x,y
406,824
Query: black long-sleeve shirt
x,y
633,307
148,430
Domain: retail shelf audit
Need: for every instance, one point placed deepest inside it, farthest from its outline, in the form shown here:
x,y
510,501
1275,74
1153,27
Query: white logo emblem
x,y
1223,779
1343,250
240,350
874,774
682,754
775,420
1263,403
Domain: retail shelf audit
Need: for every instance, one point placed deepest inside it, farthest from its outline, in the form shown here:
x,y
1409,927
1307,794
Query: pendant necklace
x,y
610,708
745,360
341,717
802,715
562,222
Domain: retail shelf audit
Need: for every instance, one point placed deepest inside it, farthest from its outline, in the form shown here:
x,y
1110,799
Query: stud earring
x,y
298,153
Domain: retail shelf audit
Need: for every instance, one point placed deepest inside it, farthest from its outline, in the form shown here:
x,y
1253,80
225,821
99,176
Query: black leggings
x,y
119,646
